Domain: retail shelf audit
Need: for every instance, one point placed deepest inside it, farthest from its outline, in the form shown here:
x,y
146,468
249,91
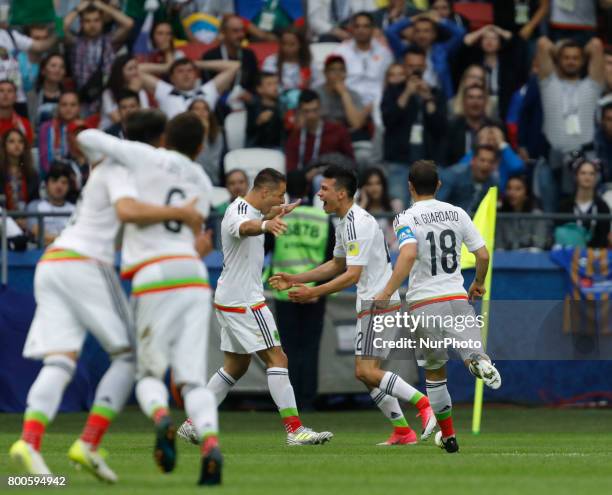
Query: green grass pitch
x,y
520,451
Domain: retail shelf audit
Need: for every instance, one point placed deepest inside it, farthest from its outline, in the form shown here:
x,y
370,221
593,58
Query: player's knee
x,y
362,374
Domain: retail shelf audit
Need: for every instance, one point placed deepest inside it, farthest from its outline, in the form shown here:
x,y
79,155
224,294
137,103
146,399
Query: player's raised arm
x,y
477,288
133,211
303,293
329,269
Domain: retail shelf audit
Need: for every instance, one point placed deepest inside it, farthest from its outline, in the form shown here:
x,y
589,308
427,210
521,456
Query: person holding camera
x,y
414,114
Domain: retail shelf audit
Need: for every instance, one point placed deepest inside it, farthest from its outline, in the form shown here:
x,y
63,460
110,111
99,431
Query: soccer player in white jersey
x,y
430,235
76,289
247,325
361,257
170,288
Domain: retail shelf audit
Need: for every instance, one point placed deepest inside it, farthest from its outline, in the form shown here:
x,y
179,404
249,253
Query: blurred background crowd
x,y
509,93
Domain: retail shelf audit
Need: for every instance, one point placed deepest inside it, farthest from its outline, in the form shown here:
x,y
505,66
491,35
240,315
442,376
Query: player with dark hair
x,y
247,325
430,235
361,257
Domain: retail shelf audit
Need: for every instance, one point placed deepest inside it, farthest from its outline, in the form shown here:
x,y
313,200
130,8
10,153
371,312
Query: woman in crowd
x,y
293,62
213,145
162,41
18,178
374,198
53,134
124,75
49,87
396,74
586,201
474,74
522,233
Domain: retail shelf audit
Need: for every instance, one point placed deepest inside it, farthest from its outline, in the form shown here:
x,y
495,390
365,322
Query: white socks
x,y
201,407
281,389
220,384
114,389
152,395
47,390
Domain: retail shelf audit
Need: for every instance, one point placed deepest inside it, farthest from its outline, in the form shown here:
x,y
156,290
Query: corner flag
x,y
485,220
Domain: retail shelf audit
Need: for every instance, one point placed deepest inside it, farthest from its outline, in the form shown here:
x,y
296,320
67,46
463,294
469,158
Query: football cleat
x,y
306,436
28,458
428,421
212,463
450,444
188,432
409,438
482,368
93,461
164,452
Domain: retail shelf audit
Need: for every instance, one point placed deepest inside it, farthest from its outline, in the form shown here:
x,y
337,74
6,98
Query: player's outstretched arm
x,y
282,210
477,288
303,293
275,226
96,143
403,265
131,210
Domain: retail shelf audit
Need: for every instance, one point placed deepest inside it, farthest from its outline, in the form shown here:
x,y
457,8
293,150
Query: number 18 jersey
x,y
438,229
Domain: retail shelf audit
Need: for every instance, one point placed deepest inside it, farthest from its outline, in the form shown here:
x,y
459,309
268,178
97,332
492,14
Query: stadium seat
x,y
194,51
479,14
263,49
235,130
320,51
252,160
219,196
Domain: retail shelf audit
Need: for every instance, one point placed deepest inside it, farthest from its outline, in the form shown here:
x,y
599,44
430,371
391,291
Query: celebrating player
x,y
170,289
361,257
430,235
247,325
76,288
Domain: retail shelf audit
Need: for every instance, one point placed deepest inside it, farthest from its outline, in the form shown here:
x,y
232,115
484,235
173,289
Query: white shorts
x,y
365,334
245,330
75,296
172,325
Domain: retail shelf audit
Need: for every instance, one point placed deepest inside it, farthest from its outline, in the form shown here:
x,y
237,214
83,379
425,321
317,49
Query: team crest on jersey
x,y
353,248
404,234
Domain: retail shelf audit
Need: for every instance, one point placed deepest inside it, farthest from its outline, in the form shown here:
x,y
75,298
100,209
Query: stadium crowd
x,y
515,94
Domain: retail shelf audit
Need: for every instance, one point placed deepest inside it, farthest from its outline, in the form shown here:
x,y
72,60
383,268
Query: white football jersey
x,y
162,177
240,283
361,241
438,229
92,228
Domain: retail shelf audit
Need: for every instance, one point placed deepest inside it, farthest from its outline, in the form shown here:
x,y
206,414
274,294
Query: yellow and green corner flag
x,y
485,220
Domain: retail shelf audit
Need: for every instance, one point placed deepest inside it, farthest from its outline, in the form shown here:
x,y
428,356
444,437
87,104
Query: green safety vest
x,y
304,245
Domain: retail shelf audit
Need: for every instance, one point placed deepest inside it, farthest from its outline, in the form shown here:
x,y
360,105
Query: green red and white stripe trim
x,y
58,254
165,285
432,300
239,309
128,272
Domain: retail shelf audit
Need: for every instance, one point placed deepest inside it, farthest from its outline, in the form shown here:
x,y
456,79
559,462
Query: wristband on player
x,y
263,225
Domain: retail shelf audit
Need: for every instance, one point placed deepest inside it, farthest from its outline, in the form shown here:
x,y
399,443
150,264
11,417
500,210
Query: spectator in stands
x,y
93,50
608,69
462,130
423,30
395,74
213,144
465,184
520,233
576,20
162,41
326,20
374,198
49,86
314,135
500,55
569,101
264,127
9,118
76,160
127,103
293,62
124,76
176,96
522,18
509,162
586,201
444,8
11,44
603,141
237,185
29,65
53,134
396,10
18,178
341,104
230,48
473,75
414,115
57,186
366,59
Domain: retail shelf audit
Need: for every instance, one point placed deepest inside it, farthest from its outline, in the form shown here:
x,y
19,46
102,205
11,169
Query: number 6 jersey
x,y
438,229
